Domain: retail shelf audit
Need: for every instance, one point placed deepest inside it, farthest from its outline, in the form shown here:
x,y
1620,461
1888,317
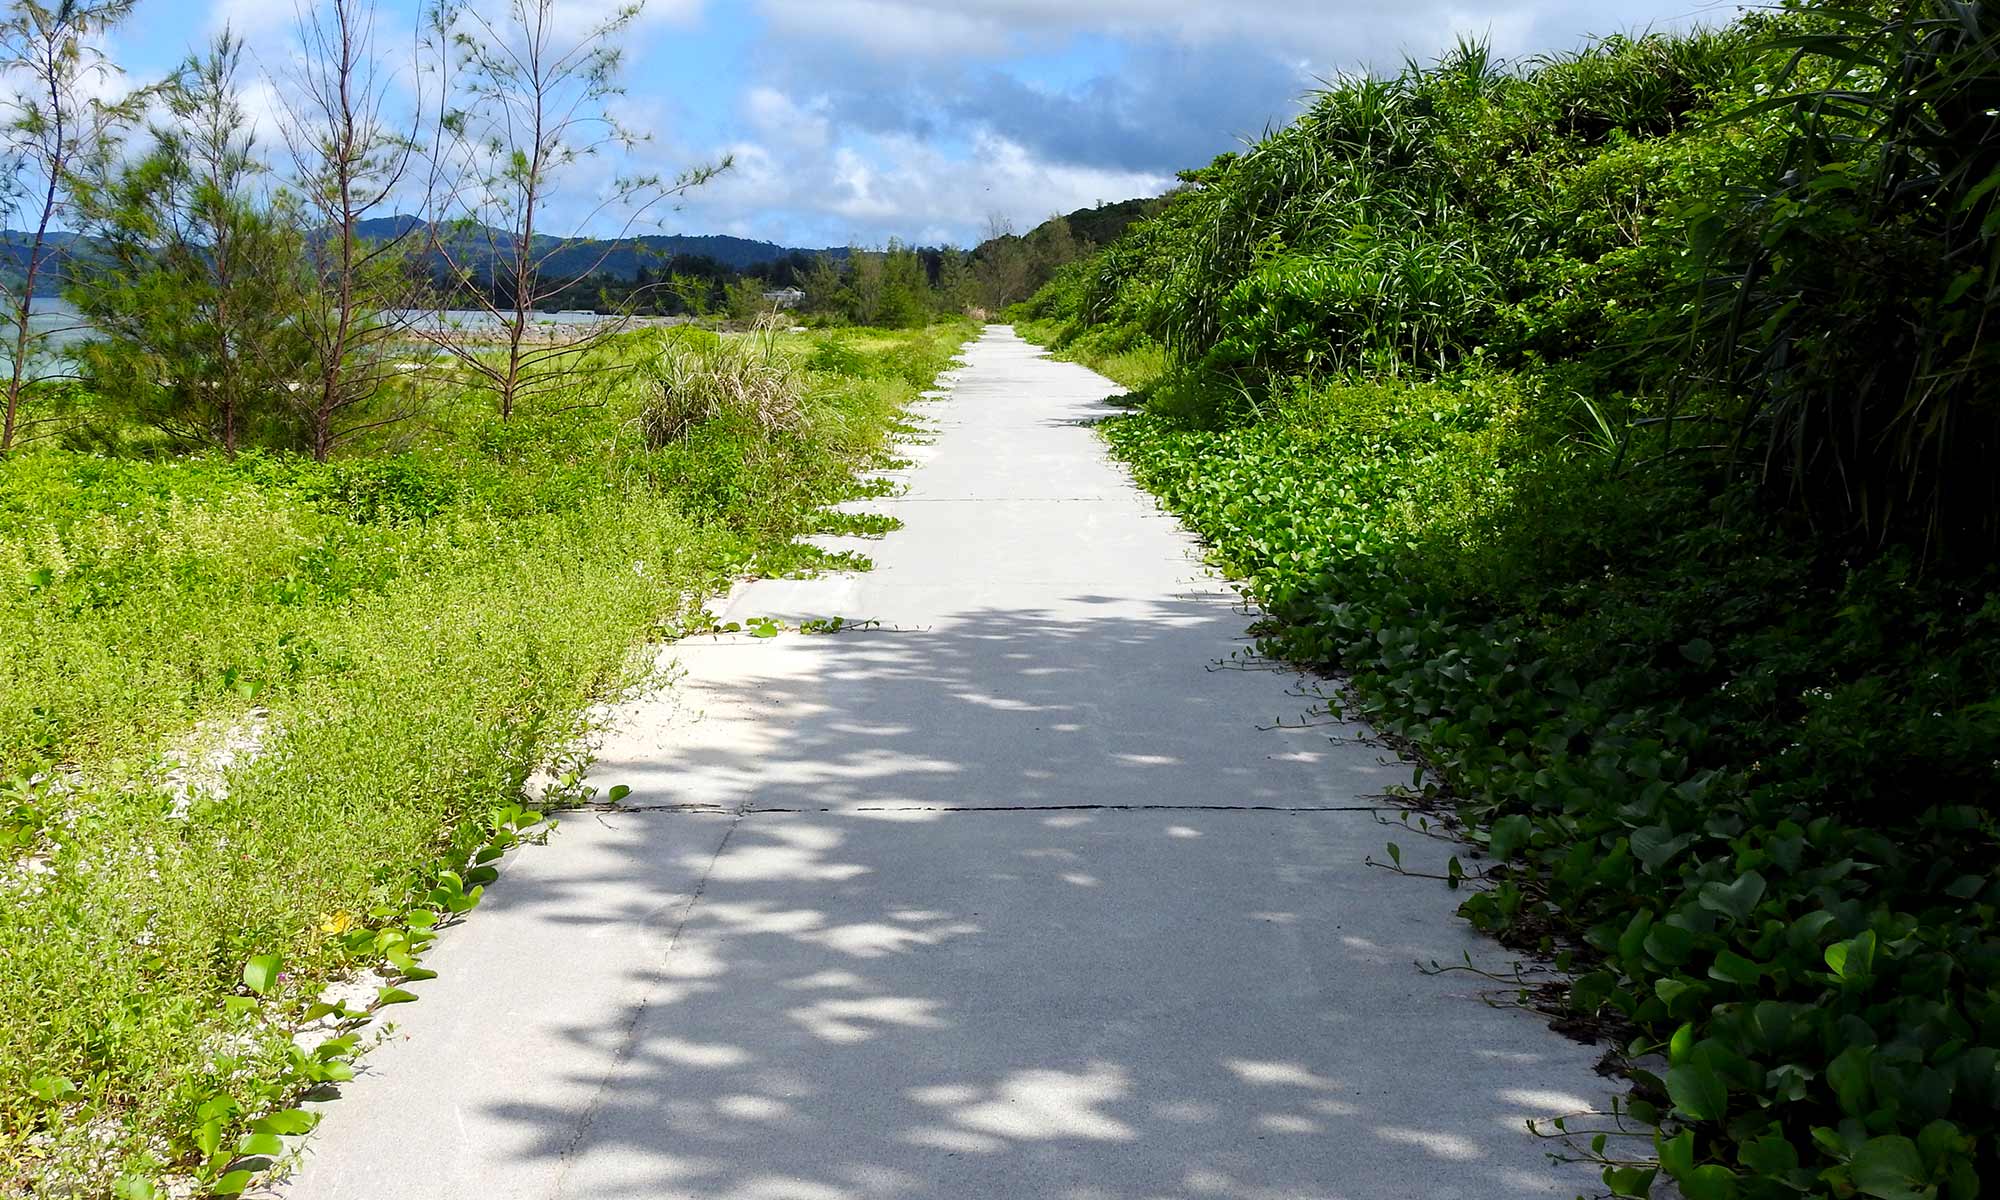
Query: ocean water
x,y
66,327
59,320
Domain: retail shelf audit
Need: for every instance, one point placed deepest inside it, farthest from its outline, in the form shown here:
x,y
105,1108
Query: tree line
x,y
899,286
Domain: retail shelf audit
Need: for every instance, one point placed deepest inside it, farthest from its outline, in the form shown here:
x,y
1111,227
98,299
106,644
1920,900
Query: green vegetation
x,y
389,643
1616,423
297,588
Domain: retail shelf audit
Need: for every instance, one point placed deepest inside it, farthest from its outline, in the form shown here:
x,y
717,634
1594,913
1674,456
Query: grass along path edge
x,y
424,634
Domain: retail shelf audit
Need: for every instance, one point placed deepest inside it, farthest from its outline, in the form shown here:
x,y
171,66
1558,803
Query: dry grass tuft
x,y
746,377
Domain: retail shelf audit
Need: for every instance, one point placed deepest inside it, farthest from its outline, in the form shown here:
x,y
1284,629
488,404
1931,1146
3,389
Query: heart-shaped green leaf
x,y
51,1088
1854,958
1889,1168
1677,1154
1509,835
289,1122
1655,845
134,1187
1697,1091
1669,944
231,1184
1848,1075
261,973
1731,967
1770,1155
1710,1182
1738,899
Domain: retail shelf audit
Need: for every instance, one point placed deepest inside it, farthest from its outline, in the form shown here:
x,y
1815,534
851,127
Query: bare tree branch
x,y
529,106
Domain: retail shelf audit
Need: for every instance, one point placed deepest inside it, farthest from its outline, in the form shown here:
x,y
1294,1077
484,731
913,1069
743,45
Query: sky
x,y
855,121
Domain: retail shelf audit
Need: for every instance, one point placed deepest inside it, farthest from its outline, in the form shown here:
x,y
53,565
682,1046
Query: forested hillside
x,y
1010,267
1621,425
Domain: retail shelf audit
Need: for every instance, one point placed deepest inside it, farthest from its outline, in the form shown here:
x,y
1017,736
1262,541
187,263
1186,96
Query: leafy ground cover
x,y
1533,398
1740,798
401,638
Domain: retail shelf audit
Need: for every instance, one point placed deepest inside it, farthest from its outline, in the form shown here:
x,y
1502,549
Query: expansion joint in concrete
x,y
759,809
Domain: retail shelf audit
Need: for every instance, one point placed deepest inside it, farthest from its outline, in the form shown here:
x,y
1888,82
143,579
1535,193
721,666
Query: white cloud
x,y
859,113
1331,33
889,27
576,18
266,112
870,188
777,117
253,20
866,119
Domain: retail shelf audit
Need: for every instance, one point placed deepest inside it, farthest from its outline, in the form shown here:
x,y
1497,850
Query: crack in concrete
x,y
629,1036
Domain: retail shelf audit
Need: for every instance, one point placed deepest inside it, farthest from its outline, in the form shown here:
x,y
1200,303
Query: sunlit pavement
x,y
1016,894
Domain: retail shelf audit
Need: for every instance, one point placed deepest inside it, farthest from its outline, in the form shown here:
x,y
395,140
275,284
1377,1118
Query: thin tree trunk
x,y
17,382
524,250
518,330
225,361
336,358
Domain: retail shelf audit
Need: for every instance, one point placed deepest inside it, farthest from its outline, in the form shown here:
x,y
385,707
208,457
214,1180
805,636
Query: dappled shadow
x,y
1116,702
1086,1005
875,996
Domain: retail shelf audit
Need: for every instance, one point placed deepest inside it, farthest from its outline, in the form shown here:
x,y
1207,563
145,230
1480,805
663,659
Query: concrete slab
x,y
536,993
1069,1006
1016,895
1120,706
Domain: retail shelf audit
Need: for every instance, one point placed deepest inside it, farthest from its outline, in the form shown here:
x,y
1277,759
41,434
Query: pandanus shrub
x,y
1851,297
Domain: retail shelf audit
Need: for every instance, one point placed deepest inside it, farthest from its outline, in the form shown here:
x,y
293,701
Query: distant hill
x,y
1014,266
1099,226
625,256
623,261
14,258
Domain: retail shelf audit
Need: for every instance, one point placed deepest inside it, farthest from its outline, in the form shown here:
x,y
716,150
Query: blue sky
x,y
861,120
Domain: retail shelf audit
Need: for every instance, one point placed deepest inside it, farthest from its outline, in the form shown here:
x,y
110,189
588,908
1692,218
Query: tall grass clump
x,y
1850,295
1617,422
748,378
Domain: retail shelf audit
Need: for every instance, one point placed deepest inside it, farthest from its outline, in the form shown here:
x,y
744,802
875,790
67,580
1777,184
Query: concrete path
x,y
1012,897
